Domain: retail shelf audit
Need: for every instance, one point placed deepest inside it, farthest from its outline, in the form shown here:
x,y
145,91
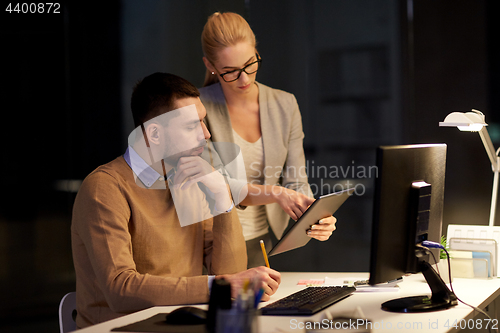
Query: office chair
x,y
67,313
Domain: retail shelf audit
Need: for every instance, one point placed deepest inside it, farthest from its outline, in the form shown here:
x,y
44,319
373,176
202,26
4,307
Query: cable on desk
x,y
429,244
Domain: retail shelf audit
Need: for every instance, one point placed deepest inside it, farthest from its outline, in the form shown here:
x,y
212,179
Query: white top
x,y
253,219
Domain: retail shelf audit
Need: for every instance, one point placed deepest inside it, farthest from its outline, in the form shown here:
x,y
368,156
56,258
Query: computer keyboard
x,y
308,301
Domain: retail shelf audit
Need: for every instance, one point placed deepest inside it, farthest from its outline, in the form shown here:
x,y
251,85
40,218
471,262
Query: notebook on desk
x,y
322,207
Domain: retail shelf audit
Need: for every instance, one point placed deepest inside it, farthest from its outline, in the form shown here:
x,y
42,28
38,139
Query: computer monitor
x,y
408,209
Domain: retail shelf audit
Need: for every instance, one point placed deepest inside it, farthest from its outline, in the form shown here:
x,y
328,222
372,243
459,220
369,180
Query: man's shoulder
x,y
116,166
105,184
115,171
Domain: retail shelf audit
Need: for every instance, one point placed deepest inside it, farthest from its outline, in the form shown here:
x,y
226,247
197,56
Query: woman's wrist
x,y
276,192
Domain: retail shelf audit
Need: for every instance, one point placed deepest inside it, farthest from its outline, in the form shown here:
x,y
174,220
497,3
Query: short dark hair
x,y
157,93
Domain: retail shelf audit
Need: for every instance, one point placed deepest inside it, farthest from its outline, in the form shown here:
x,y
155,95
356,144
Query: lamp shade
x,y
465,121
474,122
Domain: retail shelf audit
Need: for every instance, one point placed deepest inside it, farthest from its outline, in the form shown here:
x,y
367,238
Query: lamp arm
x,y
494,194
488,145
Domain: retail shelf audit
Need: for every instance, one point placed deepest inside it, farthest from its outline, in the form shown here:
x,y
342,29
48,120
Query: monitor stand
x,y
442,297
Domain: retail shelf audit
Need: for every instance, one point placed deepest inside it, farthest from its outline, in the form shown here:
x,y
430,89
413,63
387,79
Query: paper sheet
x,y
383,287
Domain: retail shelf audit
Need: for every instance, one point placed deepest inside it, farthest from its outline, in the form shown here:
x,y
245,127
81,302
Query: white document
x,y
364,287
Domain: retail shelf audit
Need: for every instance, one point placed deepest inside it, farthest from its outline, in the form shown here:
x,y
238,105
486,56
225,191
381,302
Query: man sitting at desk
x,y
129,249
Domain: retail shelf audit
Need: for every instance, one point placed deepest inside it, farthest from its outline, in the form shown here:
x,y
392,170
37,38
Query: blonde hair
x,y
220,31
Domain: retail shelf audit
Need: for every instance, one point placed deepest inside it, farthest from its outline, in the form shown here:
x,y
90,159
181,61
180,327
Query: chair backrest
x,y
67,313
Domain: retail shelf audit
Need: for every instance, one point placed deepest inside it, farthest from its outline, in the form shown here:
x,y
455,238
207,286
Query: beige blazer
x,y
282,136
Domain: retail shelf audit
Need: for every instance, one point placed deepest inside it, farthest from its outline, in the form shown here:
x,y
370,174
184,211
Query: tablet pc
x,y
324,206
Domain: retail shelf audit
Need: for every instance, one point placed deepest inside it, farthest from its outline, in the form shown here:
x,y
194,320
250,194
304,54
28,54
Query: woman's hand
x,y
323,229
292,202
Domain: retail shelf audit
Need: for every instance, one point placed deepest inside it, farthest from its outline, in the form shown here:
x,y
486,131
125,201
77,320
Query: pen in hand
x,y
264,253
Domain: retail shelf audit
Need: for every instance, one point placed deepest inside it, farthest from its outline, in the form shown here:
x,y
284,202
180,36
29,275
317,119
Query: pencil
x,y
264,253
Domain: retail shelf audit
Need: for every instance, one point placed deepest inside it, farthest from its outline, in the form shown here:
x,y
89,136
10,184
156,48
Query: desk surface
x,y
476,292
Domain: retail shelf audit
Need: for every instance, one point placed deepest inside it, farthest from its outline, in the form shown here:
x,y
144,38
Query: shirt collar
x,y
141,169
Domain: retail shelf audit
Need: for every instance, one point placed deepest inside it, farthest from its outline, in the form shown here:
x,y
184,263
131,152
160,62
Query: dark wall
x,y
61,118
451,62
93,82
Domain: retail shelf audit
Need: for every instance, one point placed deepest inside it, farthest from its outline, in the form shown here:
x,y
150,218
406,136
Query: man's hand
x,y
323,229
193,169
262,277
292,202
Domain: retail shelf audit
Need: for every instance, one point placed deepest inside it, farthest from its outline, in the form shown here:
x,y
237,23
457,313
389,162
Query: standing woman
x,y
266,124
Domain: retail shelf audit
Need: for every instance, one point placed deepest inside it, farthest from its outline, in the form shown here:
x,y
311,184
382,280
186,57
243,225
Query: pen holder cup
x,y
237,321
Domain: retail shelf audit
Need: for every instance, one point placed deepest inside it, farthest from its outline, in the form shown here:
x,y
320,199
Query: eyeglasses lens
x,y
249,69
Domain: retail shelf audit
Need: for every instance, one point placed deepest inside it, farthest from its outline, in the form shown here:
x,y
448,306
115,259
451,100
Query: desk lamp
x,y
474,122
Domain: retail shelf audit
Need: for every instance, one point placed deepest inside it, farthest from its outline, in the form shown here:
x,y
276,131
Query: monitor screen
x,y
408,209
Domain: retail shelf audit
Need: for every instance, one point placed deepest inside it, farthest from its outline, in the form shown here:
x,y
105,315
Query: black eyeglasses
x,y
235,74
